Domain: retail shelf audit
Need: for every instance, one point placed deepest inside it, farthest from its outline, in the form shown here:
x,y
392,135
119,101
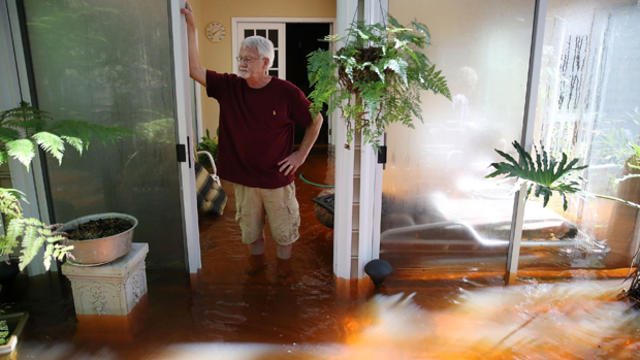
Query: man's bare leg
x,y
257,247
284,251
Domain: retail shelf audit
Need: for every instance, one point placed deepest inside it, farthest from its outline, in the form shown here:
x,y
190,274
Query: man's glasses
x,y
246,60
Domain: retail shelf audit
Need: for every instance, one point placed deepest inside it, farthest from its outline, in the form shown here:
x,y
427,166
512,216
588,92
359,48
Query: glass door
x,y
111,63
439,214
588,108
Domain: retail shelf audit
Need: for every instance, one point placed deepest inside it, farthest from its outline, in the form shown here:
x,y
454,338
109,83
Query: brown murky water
x,y
236,308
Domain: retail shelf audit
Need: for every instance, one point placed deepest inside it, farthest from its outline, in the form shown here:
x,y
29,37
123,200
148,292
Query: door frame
x,y
185,135
34,183
31,182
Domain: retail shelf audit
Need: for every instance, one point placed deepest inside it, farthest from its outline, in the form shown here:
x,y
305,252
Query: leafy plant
x,y
23,130
545,174
210,145
376,78
4,332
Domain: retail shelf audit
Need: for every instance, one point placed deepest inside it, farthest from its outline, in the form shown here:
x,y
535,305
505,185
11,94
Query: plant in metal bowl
x,y
23,130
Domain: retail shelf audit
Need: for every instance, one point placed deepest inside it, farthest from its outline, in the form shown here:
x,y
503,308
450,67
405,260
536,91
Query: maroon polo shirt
x,y
256,128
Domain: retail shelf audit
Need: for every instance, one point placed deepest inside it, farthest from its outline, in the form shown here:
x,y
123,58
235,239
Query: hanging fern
x,y
376,78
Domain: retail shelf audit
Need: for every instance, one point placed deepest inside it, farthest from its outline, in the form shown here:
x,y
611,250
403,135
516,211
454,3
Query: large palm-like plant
x,y
23,130
546,174
376,78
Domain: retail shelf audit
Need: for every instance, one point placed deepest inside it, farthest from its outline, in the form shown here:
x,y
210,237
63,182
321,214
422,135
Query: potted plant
x,y
376,78
209,145
23,130
544,175
11,326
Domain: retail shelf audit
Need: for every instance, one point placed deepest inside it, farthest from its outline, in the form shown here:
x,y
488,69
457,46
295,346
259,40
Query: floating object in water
x,y
378,270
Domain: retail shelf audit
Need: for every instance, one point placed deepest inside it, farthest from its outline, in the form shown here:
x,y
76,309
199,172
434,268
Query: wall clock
x,y
215,32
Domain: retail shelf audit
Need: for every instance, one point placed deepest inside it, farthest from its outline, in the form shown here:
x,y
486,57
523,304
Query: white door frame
x,y
185,135
31,182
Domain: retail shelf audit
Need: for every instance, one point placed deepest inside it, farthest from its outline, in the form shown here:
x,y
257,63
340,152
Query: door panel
x,y
110,63
438,211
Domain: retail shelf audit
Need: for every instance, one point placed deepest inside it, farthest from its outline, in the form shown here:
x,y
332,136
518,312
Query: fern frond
x,y
22,150
50,143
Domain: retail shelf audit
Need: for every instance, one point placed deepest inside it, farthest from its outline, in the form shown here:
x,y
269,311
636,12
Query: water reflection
x,y
573,320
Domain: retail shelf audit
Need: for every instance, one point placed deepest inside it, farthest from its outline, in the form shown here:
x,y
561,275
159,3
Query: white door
x,y
131,79
272,31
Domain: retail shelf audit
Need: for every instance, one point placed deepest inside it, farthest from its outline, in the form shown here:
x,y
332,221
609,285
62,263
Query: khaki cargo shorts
x,y
280,207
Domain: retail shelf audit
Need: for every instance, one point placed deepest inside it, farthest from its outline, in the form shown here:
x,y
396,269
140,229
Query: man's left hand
x,y
291,163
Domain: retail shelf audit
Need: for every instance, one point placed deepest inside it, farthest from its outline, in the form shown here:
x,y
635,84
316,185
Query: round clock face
x,y
215,32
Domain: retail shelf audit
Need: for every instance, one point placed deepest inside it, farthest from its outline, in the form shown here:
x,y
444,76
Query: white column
x,y
358,177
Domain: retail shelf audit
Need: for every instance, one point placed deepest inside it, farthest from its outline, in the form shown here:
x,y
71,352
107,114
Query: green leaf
x,y
4,157
8,134
542,173
51,144
22,150
75,142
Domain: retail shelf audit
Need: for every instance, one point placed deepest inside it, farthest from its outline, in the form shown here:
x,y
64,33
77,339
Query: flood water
x,y
240,308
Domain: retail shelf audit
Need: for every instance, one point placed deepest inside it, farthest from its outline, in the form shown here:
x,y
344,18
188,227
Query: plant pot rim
x,y
109,215
22,317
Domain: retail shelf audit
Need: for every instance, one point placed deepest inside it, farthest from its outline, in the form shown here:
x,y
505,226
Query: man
x,y
255,149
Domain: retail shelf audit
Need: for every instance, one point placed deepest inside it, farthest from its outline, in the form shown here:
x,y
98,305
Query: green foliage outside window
x,y
207,144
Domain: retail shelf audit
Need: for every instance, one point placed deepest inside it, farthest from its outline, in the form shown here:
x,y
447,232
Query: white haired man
x,y
255,150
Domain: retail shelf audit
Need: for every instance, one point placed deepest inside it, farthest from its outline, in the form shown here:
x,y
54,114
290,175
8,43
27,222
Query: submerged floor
x,y
236,308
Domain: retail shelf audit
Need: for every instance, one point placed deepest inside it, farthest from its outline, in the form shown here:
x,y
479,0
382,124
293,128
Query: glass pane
x,y
9,86
273,36
438,211
273,72
248,32
275,59
110,63
588,108
261,32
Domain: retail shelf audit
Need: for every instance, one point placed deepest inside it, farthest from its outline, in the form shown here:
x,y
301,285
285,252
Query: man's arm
x,y
292,162
196,71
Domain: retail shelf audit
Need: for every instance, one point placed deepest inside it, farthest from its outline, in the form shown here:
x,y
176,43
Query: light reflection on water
x,y
573,320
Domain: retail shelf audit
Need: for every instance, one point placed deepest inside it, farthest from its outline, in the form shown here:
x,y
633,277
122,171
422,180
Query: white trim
x,y
198,104
234,20
31,182
343,204
184,130
368,167
344,159
535,60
